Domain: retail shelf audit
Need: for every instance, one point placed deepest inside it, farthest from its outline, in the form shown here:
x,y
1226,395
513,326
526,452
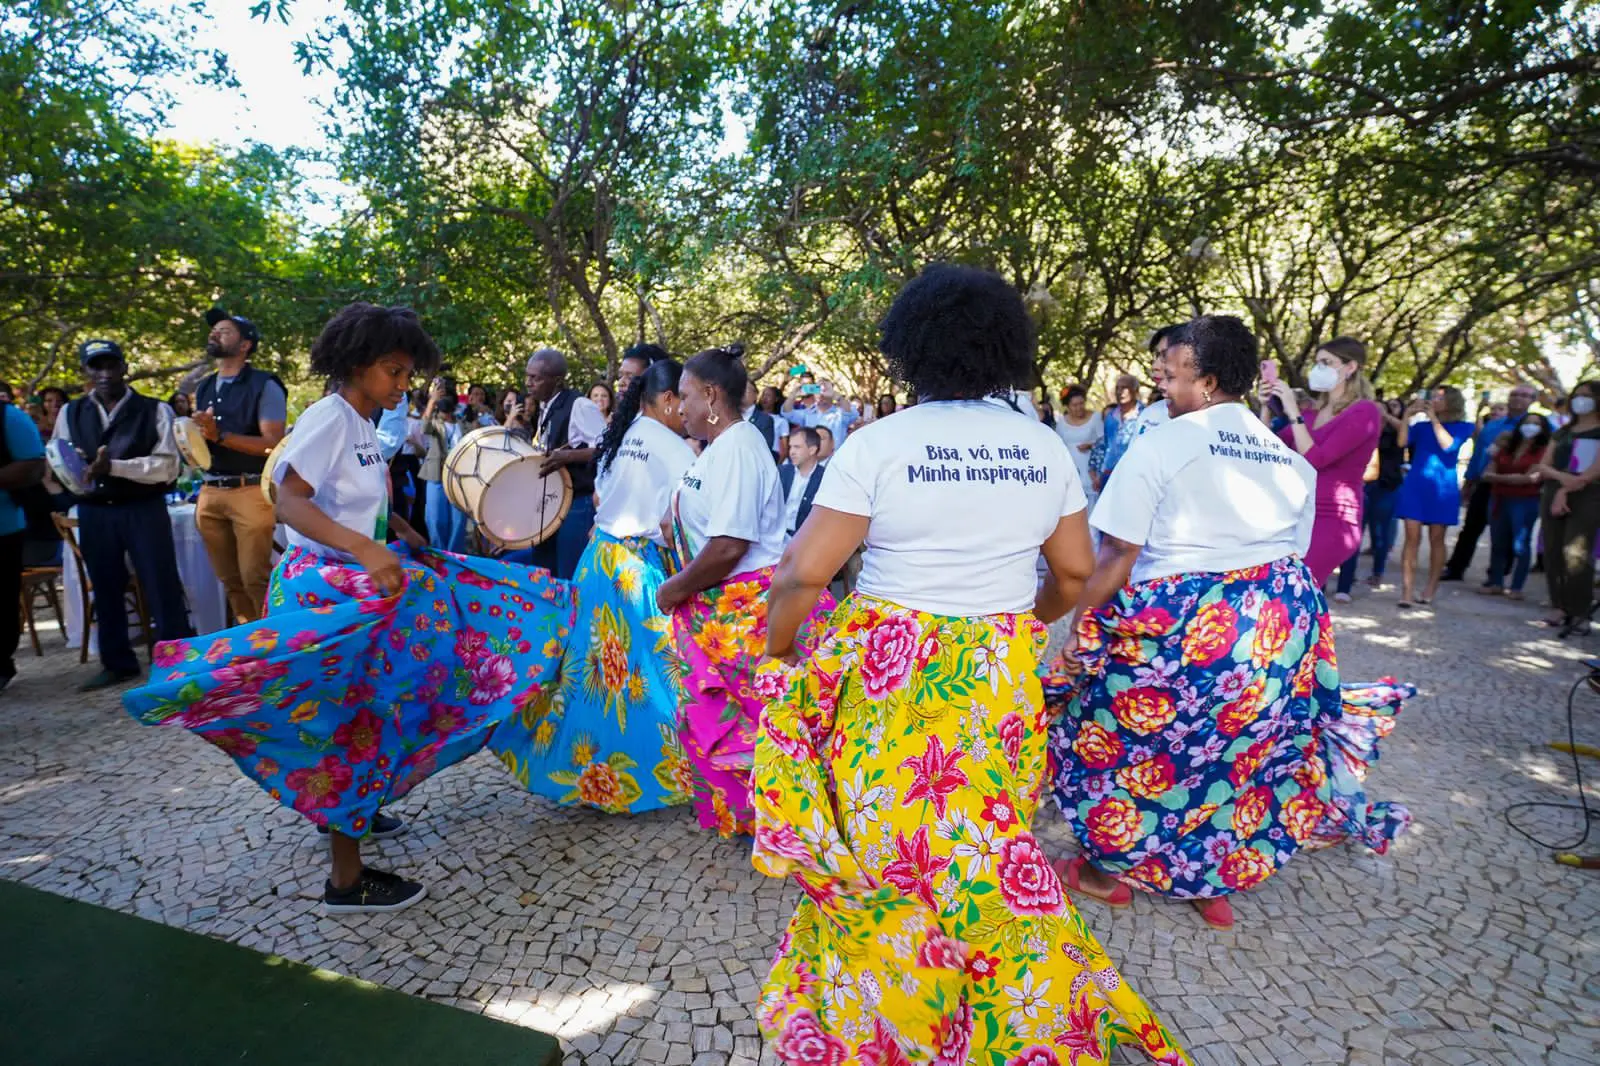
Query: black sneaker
x,y
376,892
383,827
1448,576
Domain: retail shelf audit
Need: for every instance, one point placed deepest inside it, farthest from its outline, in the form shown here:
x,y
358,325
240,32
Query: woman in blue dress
x,y
1431,493
610,739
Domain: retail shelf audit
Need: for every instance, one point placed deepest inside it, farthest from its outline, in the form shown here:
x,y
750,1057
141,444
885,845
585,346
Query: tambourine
x,y
192,444
69,467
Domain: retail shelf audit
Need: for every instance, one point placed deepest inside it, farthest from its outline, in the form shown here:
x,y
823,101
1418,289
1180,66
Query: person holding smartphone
x,y
1338,440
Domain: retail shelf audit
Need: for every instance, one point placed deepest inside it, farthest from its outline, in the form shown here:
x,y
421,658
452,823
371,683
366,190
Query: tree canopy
x,y
1419,174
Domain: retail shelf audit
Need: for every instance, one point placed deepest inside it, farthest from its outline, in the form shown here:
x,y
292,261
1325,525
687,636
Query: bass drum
x,y
492,475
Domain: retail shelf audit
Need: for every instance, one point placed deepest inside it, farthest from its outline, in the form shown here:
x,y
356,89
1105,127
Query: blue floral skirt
x,y
609,739
341,699
1187,761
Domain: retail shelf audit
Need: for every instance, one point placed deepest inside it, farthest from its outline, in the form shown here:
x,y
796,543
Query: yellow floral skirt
x,y
896,774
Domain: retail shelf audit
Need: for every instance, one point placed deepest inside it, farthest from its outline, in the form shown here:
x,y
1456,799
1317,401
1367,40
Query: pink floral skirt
x,y
341,700
721,635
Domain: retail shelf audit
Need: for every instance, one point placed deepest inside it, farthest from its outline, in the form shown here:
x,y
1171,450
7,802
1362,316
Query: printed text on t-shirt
x,y
1006,463
1247,446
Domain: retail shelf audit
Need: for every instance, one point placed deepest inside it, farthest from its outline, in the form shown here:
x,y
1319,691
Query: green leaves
x,y
591,174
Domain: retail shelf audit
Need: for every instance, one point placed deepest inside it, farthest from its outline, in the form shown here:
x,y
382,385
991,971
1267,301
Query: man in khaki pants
x,y
242,412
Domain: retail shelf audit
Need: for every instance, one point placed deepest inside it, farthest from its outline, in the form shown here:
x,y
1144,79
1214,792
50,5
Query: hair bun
x,y
734,350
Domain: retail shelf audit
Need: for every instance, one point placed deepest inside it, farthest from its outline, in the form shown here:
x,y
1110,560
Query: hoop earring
x,y
713,418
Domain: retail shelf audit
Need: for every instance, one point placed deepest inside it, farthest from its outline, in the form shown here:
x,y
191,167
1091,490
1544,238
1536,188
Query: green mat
x,y
85,986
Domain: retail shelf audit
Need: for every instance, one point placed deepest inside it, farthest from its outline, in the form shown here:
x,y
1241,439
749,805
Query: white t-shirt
x,y
1072,436
1153,415
1211,491
960,495
733,490
635,489
335,451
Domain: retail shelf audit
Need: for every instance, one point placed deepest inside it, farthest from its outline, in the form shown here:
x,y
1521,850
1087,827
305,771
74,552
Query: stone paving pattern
x,y
644,940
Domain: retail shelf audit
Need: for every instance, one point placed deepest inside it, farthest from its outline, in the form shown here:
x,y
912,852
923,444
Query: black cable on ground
x,y
1589,816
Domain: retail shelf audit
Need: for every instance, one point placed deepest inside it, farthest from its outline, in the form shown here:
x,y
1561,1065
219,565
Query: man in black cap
x,y
242,412
127,440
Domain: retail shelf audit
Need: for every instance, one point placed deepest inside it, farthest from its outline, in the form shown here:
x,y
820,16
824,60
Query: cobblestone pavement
x,y
643,940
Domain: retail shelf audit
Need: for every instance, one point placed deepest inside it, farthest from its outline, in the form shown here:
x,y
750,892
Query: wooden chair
x,y
138,611
38,580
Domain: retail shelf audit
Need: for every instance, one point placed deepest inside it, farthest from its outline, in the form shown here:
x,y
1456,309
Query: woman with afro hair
x,y
899,764
375,666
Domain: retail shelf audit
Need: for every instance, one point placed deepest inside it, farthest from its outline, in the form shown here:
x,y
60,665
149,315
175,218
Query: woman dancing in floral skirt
x,y
374,667
899,766
727,520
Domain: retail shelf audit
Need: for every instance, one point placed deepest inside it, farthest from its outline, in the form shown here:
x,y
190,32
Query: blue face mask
x,y
1583,405
1529,430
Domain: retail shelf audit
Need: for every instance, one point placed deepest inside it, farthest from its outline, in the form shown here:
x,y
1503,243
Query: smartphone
x,y
810,390
796,370
1269,371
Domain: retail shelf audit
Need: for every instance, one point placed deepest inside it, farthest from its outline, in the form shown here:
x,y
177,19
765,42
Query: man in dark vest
x,y
133,461
570,425
242,412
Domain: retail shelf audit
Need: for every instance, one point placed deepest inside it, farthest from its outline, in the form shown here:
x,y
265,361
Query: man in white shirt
x,y
570,426
801,476
133,461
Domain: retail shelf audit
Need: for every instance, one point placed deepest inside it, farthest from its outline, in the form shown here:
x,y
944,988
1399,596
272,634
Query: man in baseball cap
x,y
126,438
246,329
242,412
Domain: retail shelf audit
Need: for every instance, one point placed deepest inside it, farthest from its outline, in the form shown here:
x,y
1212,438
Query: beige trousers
x,y
237,526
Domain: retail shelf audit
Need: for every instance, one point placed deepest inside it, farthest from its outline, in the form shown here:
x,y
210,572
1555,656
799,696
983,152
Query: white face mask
x,y
1529,429
1583,405
1323,378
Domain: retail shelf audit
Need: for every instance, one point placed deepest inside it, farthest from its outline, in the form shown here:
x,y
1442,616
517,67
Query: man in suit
x,y
801,475
773,428
133,460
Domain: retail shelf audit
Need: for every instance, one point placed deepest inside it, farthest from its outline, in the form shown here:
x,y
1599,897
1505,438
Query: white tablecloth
x,y
208,602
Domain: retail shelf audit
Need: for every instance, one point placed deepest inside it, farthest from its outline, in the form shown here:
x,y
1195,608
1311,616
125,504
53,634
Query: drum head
x,y
269,487
69,467
521,508
191,443
473,462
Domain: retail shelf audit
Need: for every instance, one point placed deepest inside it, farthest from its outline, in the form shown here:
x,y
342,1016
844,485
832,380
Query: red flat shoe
x,y
1069,871
1218,912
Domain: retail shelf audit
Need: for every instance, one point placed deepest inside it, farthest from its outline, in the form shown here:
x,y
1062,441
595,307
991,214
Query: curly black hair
x,y
1224,348
958,333
724,368
362,333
